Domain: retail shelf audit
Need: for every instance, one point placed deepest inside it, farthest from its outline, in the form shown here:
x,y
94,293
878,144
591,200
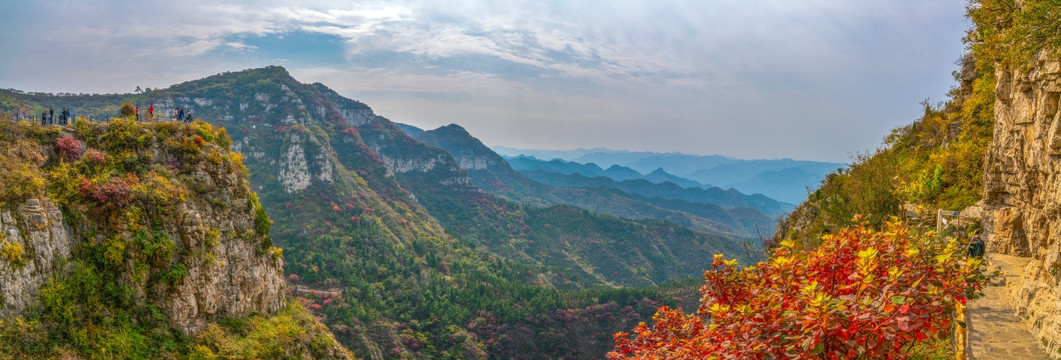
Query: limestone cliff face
x,y
37,229
1022,189
229,273
187,235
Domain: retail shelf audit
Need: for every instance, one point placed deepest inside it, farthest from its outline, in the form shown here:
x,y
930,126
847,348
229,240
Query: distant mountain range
x,y
714,212
615,172
786,180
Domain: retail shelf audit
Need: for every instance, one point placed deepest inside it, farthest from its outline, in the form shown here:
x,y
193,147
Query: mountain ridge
x,y
726,172
492,173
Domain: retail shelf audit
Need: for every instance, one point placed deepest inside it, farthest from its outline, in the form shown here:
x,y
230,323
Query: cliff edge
x,y
131,233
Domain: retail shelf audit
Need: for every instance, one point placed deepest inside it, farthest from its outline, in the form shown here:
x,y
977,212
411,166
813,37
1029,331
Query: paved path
x,y
995,331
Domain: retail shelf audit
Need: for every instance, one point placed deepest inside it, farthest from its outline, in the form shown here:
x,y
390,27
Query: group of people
x,y
179,114
65,117
48,117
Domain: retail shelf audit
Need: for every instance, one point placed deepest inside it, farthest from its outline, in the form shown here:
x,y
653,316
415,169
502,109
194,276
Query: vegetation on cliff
x,y
123,187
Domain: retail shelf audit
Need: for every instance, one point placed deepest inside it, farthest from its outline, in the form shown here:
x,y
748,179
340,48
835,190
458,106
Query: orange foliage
x,y
861,293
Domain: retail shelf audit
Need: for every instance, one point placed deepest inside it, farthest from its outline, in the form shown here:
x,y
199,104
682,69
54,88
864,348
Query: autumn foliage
x,y
862,293
69,148
115,193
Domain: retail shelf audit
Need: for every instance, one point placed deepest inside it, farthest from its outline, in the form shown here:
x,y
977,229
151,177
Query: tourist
x,y
976,246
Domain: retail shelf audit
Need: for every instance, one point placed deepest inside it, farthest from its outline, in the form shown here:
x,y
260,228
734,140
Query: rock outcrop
x,y
1022,189
229,273
34,238
180,228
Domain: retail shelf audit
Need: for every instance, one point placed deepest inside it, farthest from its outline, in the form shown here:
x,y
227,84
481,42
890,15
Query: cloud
x,y
745,77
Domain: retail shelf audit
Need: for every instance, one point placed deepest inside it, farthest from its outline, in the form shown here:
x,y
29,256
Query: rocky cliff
x,y
31,256
99,219
1022,189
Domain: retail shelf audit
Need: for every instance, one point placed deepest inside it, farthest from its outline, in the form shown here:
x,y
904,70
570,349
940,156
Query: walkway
x,y
995,331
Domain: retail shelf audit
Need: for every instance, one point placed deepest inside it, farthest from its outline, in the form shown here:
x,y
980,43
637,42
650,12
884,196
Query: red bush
x,y
861,293
95,157
115,193
69,148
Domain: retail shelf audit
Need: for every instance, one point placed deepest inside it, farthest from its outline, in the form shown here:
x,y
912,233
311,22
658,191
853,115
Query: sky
x,y
804,79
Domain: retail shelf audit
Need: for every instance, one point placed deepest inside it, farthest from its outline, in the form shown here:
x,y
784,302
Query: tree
x,y
128,109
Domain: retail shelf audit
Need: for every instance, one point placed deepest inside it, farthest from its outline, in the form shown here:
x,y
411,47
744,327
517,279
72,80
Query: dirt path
x,y
995,331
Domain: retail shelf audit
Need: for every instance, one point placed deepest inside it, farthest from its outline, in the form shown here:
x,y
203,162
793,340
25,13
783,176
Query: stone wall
x,y
1022,189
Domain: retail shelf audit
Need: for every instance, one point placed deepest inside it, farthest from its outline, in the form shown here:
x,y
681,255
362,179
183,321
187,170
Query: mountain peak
x,y
272,72
271,69
454,128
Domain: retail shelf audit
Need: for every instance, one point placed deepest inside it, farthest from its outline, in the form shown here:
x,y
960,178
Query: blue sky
x,y
806,79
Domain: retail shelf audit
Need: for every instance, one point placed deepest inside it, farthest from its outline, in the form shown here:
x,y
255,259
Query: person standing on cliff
x,y
151,112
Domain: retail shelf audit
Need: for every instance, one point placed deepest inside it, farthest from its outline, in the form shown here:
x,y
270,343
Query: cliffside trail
x,y
995,330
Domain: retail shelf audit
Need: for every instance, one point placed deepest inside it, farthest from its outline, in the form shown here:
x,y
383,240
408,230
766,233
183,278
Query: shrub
x,y
116,193
157,248
69,149
262,223
862,293
95,157
175,274
127,109
12,252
